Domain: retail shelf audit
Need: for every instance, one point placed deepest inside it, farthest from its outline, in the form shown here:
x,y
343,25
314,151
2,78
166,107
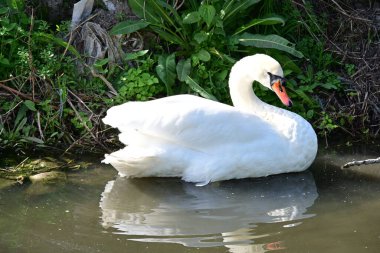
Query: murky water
x,y
324,209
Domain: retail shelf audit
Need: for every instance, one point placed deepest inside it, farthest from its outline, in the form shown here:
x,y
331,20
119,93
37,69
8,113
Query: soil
x,y
353,36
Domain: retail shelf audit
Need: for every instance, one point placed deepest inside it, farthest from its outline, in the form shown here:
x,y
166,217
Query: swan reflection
x,y
224,213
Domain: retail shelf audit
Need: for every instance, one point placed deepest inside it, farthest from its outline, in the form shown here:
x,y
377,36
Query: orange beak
x,y
280,90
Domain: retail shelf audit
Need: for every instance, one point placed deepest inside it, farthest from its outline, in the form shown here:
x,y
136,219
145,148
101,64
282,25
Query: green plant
x,y
350,69
20,130
319,82
203,34
81,122
326,124
37,76
137,83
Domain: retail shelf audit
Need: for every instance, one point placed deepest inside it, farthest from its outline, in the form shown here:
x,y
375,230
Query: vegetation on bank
x,y
51,96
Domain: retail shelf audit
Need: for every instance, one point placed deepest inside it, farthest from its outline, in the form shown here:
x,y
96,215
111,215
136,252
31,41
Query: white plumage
x,y
204,141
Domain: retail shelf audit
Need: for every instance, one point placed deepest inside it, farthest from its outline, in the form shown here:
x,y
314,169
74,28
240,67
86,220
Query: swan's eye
x,y
274,79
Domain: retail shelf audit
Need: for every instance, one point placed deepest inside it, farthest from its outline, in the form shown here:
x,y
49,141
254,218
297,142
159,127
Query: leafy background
x,y
50,97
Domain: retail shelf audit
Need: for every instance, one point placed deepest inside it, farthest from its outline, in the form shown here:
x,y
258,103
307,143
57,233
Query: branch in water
x,y
362,162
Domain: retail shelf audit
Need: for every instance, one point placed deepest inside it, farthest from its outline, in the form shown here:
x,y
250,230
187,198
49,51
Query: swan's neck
x,y
242,95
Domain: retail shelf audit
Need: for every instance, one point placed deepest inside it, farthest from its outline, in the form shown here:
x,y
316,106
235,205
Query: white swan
x,y
204,141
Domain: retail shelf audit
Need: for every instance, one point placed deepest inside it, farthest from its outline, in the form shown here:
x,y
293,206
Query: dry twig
x,y
362,162
109,85
18,93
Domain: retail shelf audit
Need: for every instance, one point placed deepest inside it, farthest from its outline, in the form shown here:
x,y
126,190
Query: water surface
x,y
324,209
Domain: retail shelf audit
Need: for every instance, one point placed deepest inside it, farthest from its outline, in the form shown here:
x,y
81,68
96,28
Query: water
x,y
324,209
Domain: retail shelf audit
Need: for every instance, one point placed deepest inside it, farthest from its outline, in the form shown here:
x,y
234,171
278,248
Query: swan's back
x,y
187,120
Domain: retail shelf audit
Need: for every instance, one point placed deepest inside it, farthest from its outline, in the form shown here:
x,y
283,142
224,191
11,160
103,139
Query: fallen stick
x,y
362,162
22,95
18,93
95,74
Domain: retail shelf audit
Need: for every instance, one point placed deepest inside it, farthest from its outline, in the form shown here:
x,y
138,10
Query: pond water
x,y
324,209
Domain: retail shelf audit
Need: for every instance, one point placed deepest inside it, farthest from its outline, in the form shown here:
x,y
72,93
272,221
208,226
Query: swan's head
x,y
277,84
265,70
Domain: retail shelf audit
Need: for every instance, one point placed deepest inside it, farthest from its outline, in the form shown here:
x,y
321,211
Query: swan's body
x,y
205,141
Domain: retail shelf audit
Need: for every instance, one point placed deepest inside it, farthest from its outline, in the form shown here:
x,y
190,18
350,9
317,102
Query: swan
x,y
204,141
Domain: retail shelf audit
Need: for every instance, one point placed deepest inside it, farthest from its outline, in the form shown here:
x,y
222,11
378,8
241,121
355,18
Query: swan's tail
x,y
132,162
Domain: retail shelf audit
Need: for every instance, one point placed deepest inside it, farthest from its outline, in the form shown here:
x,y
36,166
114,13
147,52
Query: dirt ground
x,y
353,35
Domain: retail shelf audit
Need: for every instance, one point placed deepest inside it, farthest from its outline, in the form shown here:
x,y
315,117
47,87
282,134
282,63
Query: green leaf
x,y
305,97
129,26
288,65
163,14
4,61
207,12
195,87
203,55
4,10
173,12
310,114
33,139
30,105
135,55
163,19
269,41
11,26
170,37
273,20
222,75
166,71
183,69
16,4
232,8
329,86
21,124
144,10
192,17
21,114
200,37
223,56
101,62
